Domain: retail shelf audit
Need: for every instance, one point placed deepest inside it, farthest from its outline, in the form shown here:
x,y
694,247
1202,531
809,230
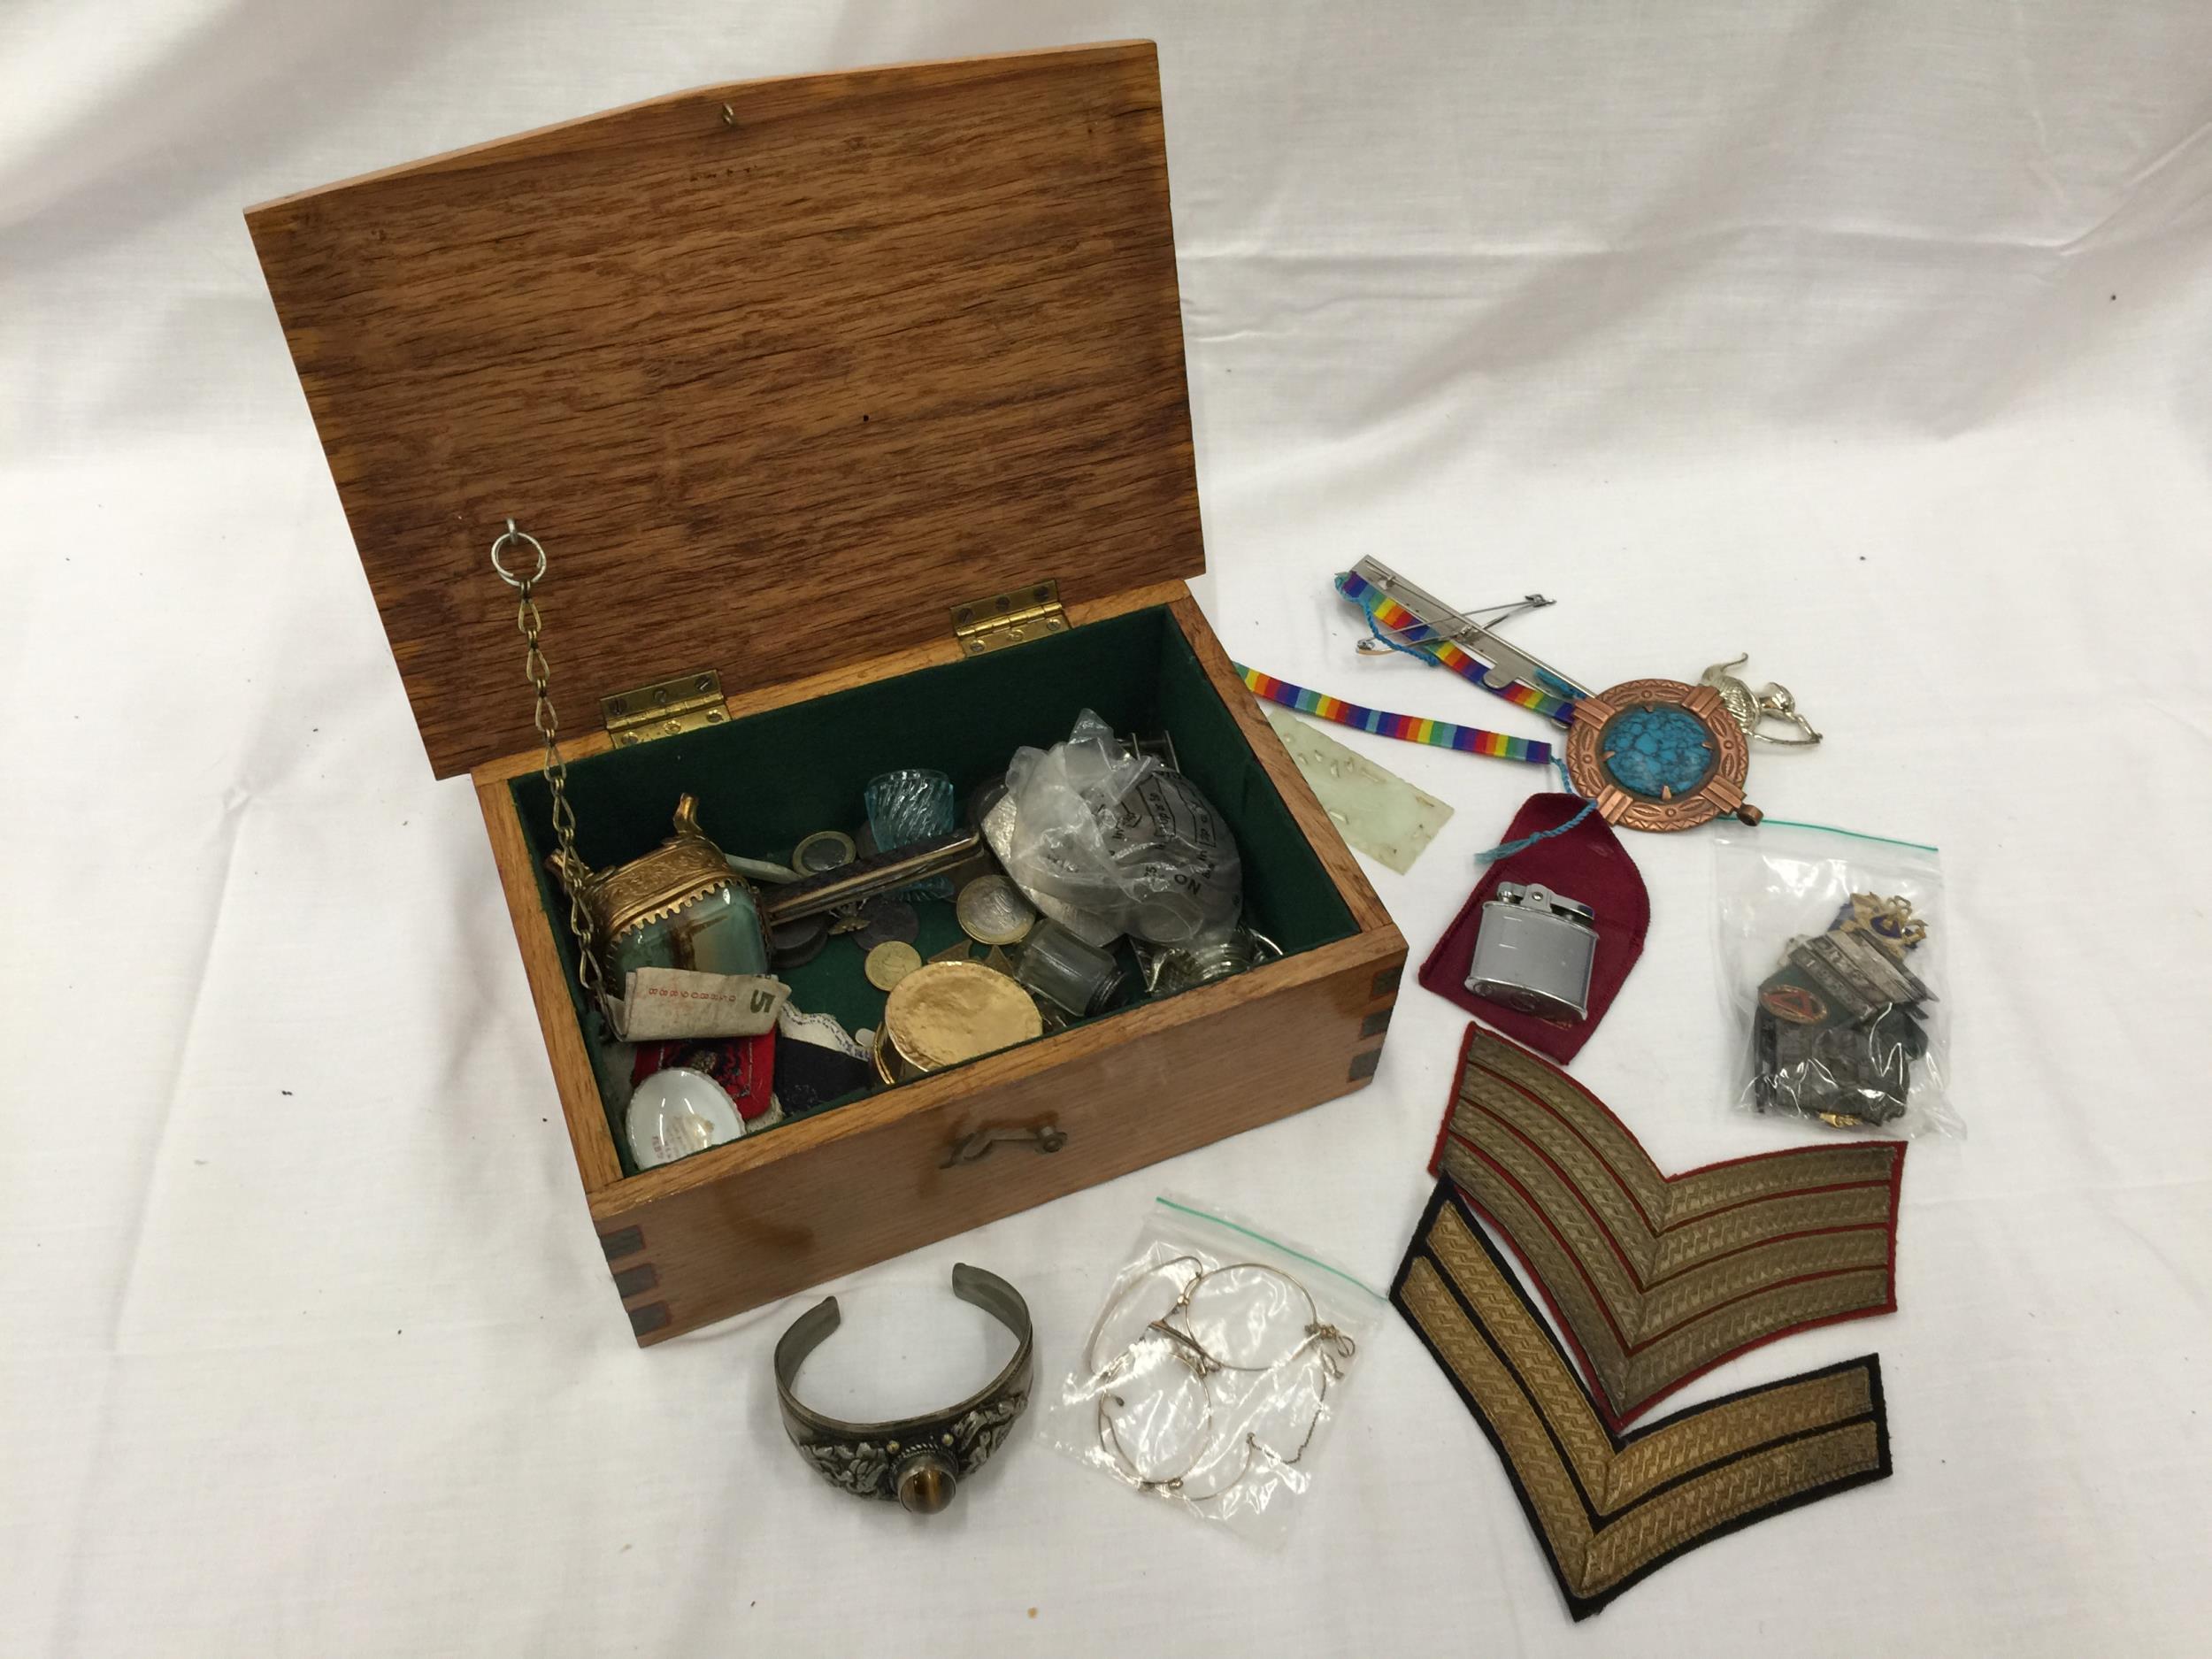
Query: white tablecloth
x,y
1872,339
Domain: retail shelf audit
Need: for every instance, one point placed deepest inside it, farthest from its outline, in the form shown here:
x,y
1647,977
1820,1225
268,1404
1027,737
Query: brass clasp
x,y
977,1147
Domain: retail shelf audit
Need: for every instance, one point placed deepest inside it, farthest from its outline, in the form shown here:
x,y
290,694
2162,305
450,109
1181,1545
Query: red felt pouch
x,y
744,1066
1587,863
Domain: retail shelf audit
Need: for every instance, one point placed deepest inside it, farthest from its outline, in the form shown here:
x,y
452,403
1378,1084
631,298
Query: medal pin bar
x,y
1470,646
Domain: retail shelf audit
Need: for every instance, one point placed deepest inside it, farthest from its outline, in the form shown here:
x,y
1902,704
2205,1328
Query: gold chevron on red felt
x,y
1610,1508
1659,1277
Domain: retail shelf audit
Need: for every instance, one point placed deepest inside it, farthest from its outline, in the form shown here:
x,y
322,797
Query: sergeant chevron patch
x,y
1610,1508
1657,1278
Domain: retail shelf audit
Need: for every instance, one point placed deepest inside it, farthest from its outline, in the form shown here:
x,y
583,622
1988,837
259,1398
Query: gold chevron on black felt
x,y
1659,1277
1610,1508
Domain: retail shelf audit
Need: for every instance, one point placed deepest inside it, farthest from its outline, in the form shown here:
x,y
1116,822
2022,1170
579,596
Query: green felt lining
x,y
766,781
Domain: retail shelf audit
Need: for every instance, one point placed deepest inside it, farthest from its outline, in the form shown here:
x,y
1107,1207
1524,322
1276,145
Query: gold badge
x,y
1889,923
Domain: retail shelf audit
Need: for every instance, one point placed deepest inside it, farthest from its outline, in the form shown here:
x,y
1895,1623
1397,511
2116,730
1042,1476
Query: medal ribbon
x,y
1420,640
1469,740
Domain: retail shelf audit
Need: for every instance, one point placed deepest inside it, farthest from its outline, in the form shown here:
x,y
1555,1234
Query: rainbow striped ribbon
x,y
1389,613
1468,740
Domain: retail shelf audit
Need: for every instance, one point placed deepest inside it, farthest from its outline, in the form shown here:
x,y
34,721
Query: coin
x,y
824,850
993,911
797,943
886,1059
890,962
882,920
951,1011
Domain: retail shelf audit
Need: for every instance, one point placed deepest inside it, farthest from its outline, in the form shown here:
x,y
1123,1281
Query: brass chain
x,y
572,868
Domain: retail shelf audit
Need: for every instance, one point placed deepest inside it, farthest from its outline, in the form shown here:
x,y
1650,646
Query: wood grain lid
x,y
778,372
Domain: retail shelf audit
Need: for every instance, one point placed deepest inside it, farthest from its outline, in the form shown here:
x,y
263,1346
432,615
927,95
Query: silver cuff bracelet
x,y
918,1460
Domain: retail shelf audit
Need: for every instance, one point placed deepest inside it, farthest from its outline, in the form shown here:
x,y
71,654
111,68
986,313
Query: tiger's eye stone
x,y
927,1484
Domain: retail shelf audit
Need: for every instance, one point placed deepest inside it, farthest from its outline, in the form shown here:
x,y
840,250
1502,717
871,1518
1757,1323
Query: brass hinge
x,y
651,712
1004,620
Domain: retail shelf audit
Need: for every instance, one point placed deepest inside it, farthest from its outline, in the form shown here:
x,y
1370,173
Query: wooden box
x,y
784,375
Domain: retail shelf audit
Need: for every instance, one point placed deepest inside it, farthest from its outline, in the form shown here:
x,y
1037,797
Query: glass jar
x,y
680,906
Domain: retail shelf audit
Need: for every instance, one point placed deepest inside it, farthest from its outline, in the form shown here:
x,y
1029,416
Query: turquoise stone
x,y
1657,750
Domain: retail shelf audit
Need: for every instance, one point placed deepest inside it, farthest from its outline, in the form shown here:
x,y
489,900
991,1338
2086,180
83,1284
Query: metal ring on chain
x,y
1312,1331
1098,1328
1126,1465
512,535
571,868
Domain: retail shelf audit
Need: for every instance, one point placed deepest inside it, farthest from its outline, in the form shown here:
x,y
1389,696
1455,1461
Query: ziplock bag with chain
x,y
1214,1369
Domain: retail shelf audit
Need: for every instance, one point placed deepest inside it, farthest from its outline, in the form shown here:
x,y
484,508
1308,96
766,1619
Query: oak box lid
x,y
778,372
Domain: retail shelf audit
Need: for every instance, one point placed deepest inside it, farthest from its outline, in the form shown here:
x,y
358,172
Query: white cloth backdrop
x,y
1871,338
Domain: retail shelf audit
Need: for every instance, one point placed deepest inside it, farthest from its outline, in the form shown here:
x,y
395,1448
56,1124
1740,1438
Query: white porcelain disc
x,y
677,1112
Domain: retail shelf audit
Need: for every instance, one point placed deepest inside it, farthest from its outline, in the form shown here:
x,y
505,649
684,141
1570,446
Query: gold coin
x,y
890,962
993,911
950,1012
886,1058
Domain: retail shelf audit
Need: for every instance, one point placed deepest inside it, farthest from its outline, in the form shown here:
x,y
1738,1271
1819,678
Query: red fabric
x,y
744,1066
1587,864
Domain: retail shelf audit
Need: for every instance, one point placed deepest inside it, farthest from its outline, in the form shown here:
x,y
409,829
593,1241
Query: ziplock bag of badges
x,y
1832,971
1214,1369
